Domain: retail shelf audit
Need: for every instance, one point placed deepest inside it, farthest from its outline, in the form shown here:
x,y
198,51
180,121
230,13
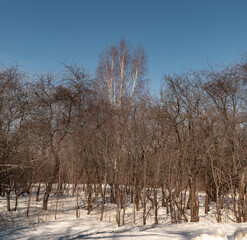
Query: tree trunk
x,y
77,202
206,203
89,199
46,195
16,200
52,180
155,207
103,193
29,202
163,198
218,205
37,194
8,200
144,214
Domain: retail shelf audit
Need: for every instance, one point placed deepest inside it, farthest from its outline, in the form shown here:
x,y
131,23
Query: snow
x,y
218,235
87,228
240,234
42,224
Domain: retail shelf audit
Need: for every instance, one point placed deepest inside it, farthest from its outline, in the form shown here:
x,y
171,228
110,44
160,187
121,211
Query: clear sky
x,y
177,34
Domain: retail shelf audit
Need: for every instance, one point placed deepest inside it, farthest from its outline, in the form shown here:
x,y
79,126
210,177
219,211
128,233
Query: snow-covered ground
x,y
42,224
86,227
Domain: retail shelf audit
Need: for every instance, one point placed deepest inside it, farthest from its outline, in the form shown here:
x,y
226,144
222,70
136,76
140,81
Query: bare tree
x,y
14,112
120,73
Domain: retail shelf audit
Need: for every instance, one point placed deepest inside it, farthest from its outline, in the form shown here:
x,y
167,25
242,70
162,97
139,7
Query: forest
x,y
110,137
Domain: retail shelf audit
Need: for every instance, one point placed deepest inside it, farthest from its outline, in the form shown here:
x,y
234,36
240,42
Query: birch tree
x,y
119,73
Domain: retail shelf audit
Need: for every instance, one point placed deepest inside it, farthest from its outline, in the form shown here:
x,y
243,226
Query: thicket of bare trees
x,y
112,137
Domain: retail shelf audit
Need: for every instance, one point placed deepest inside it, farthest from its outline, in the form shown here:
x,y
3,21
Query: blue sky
x,y
177,34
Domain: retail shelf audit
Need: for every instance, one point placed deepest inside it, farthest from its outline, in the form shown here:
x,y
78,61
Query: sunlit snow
x,y
43,225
